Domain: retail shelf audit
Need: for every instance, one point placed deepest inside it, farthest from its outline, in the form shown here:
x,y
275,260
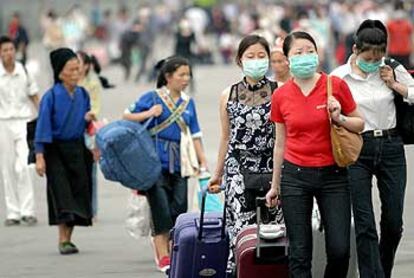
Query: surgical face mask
x,y
368,67
304,66
255,68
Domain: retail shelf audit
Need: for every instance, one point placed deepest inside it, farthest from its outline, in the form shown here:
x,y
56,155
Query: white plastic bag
x,y
138,216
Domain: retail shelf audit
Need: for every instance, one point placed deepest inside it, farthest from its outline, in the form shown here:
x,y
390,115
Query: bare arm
x,y
154,111
278,154
36,100
224,141
353,121
40,164
225,133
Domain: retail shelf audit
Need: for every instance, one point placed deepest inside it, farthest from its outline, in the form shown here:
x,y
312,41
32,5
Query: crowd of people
x,y
275,123
210,34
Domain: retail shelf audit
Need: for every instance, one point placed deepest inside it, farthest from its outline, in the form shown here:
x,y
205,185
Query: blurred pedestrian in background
x,y
279,64
52,31
19,92
20,37
400,31
185,41
61,154
89,80
145,41
75,27
128,44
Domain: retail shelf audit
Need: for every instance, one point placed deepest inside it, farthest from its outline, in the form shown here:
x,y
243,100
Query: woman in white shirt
x,y
373,86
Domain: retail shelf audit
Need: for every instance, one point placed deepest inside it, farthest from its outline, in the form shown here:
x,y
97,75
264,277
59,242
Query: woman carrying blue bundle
x,y
178,143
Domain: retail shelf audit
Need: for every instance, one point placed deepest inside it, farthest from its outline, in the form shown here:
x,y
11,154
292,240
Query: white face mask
x,y
255,68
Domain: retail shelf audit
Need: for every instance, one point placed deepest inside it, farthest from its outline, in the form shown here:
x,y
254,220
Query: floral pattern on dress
x,y
251,133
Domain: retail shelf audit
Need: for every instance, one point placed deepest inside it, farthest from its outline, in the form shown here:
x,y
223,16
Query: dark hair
x,y
287,43
248,41
94,64
4,40
371,35
51,14
169,66
86,59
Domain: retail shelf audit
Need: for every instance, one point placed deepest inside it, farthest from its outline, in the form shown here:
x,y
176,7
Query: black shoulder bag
x,y
404,111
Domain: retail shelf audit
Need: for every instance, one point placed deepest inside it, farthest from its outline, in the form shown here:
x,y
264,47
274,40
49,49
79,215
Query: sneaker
x,y
11,222
164,264
29,220
67,248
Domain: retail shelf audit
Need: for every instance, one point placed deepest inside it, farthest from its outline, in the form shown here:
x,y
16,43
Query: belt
x,y
381,133
173,149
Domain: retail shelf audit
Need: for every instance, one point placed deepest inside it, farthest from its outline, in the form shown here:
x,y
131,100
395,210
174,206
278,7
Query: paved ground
x,y
106,248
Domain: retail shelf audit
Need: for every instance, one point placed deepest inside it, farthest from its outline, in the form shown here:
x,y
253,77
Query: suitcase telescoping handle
x,y
260,203
203,208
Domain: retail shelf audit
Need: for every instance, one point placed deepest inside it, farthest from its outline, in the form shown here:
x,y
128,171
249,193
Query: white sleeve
x,y
33,87
404,77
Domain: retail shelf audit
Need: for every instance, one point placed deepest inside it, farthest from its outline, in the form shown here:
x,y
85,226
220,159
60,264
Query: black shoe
x,y
29,220
67,248
11,222
75,249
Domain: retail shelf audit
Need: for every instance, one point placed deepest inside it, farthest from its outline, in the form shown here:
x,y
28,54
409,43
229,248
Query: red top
x,y
399,37
308,140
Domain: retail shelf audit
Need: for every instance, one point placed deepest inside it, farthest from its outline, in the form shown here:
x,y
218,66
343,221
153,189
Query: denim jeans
x,y
329,185
384,158
167,200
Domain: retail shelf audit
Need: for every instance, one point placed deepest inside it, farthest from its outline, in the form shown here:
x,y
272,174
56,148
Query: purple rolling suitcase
x,y
200,245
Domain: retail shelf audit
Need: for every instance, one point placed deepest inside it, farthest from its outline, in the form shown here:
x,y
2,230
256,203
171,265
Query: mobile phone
x,y
382,62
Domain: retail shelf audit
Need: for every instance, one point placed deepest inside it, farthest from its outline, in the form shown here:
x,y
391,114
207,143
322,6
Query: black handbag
x,y
405,119
255,185
404,111
31,130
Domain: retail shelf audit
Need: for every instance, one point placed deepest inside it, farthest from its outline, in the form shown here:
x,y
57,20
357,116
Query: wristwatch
x,y
342,119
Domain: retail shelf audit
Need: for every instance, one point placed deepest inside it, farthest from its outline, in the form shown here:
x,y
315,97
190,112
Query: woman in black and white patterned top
x,y
247,139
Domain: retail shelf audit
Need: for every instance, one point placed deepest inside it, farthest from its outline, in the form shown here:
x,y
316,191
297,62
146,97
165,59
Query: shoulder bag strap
x,y
329,93
175,116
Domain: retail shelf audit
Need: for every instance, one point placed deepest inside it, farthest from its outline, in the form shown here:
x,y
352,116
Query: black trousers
x,y
167,200
384,158
329,185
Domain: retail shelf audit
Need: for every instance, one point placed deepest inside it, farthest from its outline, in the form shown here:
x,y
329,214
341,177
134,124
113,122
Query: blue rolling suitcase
x,y
200,245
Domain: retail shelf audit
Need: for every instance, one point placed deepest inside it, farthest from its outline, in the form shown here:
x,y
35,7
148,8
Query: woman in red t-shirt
x,y
304,166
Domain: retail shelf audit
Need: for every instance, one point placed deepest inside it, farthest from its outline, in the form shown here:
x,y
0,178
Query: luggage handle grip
x,y
210,223
203,208
260,202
